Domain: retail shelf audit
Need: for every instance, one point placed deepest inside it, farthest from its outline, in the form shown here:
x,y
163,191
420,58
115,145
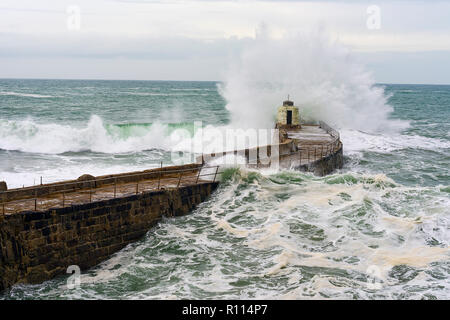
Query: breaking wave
x,y
98,136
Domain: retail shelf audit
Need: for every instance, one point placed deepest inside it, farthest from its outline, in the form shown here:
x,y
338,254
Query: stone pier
x,y
38,245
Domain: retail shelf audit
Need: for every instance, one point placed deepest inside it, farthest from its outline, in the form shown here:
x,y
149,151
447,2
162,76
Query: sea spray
x,y
319,74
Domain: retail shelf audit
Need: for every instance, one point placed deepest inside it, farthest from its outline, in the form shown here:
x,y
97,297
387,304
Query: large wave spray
x,y
320,75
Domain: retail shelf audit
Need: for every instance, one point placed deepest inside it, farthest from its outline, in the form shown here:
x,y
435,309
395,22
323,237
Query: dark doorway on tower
x,y
289,117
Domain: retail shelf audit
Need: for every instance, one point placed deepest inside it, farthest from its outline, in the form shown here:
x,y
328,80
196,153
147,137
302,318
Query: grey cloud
x,y
101,47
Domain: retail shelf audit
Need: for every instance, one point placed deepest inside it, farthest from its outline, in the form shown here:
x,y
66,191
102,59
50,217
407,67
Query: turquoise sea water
x,y
383,218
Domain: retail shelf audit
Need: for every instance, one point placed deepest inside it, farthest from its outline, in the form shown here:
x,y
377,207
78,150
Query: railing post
x,y
64,198
315,153
137,187
41,180
35,200
198,175
179,180
90,195
217,169
159,180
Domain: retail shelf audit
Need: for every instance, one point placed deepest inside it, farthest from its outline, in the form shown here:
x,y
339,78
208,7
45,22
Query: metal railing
x,y
317,152
311,154
162,179
334,133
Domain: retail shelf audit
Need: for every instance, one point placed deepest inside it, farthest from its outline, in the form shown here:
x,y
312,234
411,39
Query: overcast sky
x,y
195,40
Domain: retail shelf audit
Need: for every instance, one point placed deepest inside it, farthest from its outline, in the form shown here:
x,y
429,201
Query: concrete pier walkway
x,y
115,187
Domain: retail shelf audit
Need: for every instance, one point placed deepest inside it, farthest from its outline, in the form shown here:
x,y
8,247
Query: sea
x,y
379,228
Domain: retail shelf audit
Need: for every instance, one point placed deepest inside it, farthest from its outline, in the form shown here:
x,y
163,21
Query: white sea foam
x,y
28,95
165,94
191,89
356,141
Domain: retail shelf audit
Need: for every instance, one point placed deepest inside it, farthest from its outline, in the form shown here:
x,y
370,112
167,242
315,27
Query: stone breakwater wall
x,y
37,246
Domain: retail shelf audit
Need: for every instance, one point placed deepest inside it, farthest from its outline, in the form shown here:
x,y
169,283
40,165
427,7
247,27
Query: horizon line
x,y
159,80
